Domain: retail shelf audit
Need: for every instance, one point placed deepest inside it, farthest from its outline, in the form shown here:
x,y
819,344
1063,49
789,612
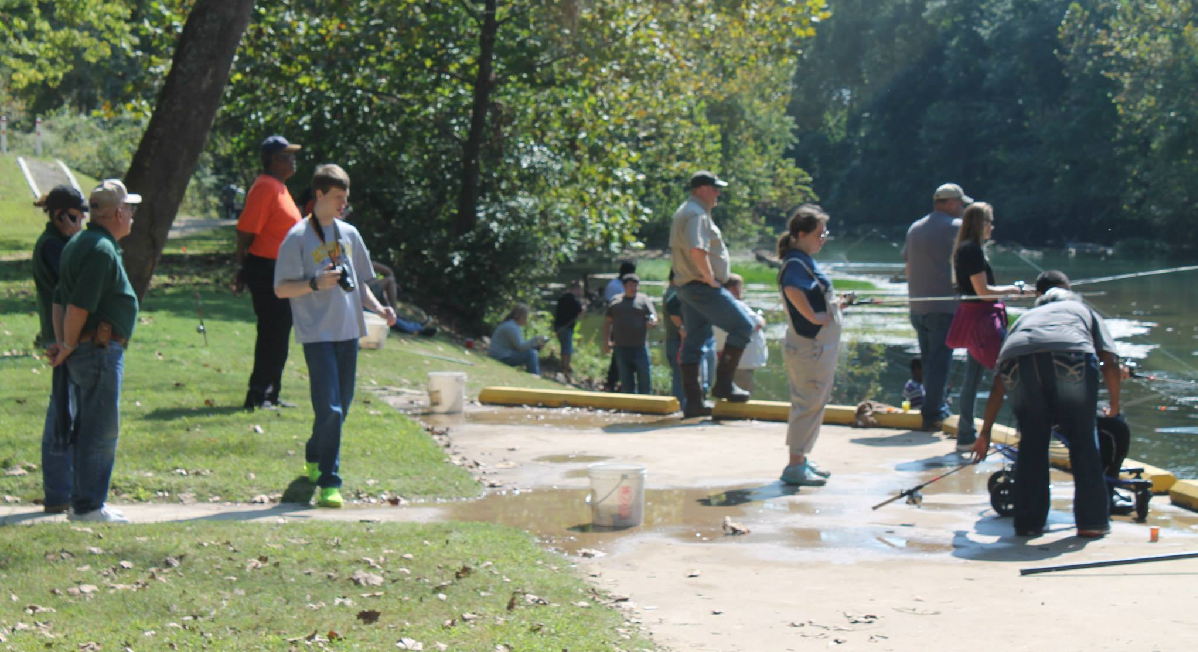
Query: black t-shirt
x,y
568,309
967,261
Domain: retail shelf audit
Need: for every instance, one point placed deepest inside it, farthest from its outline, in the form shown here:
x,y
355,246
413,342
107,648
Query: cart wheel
x,y
1002,493
1143,495
995,478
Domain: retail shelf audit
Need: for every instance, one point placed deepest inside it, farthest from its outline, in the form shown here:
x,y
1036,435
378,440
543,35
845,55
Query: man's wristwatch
x,y
312,284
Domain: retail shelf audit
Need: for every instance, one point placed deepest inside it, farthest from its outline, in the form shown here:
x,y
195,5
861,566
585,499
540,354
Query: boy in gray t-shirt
x,y
322,268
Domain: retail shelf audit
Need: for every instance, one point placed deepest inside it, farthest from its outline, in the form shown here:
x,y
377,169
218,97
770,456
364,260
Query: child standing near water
x,y
913,390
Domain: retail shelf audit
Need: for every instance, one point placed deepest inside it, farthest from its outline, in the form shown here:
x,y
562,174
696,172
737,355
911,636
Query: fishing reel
x,y
915,497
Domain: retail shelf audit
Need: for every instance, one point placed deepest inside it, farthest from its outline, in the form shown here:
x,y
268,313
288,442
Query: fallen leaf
x,y
716,612
362,578
369,617
734,529
591,553
463,572
127,565
261,499
34,609
88,589
337,602
90,646
334,636
258,429
409,644
693,573
16,471
468,617
172,562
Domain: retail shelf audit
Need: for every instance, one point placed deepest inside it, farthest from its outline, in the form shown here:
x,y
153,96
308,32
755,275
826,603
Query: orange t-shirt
x,y
269,214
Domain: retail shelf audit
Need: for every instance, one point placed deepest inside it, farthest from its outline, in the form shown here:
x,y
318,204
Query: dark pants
x,y
96,375
633,362
332,368
1060,388
274,328
932,329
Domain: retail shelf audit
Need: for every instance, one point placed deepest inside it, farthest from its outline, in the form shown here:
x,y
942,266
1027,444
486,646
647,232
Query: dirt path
x,y
819,568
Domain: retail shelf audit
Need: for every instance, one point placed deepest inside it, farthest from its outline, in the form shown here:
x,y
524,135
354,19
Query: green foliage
x,y
1072,118
599,110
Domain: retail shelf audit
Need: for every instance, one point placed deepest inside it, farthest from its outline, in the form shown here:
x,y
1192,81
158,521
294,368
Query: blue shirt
x,y
794,275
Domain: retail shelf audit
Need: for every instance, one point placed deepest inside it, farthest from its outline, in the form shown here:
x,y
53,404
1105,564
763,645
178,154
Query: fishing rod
x,y
1109,562
442,357
913,495
1120,277
899,298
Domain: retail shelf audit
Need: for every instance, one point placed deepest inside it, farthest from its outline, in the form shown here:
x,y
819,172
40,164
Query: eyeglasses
x,y
825,234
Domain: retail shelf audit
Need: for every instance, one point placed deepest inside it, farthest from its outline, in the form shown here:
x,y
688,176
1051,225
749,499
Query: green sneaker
x,y
799,474
312,471
330,497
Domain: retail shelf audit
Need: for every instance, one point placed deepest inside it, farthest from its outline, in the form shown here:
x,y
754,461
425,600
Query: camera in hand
x,y
346,280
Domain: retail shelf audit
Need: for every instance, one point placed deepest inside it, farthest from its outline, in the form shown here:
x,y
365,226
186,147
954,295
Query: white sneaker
x,y
105,514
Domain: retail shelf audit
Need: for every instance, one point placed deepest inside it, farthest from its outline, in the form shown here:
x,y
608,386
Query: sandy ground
x,y
819,569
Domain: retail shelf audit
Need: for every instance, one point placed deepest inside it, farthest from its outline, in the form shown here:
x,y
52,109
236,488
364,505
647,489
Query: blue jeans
x,y
407,327
966,428
672,347
95,385
704,306
932,329
707,364
633,362
56,466
565,337
332,369
1062,389
528,359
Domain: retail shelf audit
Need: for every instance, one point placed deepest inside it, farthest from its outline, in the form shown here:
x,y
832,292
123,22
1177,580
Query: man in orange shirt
x,y
269,214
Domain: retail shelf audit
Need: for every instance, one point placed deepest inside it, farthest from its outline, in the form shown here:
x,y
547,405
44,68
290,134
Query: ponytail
x,y
783,245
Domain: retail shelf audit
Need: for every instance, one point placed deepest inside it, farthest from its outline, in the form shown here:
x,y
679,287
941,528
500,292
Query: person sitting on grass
x,y
1050,364
913,390
322,269
509,346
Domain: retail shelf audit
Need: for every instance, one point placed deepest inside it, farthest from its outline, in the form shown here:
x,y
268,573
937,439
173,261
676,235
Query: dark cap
x,y
630,277
63,198
276,144
705,178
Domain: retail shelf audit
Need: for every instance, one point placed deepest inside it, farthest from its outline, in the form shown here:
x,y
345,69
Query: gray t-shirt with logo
x,y
693,229
332,315
929,256
630,319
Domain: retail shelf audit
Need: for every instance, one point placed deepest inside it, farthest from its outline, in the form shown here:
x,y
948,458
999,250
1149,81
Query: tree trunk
x,y
178,130
471,150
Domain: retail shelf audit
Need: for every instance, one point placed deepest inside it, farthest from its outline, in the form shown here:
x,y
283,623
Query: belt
x,y
102,336
695,283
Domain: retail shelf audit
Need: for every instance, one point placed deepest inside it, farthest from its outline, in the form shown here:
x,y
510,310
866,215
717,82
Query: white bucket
x,y
446,392
617,495
376,331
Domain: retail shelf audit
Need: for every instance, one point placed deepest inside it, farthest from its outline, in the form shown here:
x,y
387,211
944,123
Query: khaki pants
x,y
811,369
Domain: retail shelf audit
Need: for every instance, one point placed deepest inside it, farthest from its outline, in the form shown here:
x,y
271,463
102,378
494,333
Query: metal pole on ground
x,y
38,137
1109,562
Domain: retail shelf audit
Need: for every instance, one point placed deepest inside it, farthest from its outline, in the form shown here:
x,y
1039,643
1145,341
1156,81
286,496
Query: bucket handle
x,y
590,499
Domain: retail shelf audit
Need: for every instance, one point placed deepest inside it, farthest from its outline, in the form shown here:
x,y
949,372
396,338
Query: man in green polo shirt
x,y
66,210
95,310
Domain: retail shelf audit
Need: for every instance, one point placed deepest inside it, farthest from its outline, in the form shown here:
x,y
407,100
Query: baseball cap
x,y
276,143
705,178
952,191
63,198
110,194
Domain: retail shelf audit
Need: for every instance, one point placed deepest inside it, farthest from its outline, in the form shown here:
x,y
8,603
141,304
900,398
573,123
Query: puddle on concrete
x,y
576,473
562,519
571,459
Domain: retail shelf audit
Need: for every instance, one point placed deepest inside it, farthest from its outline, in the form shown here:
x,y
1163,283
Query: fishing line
x,y
1120,277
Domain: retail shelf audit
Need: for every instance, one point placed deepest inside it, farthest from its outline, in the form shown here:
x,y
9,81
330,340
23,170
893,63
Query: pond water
x,y
1153,321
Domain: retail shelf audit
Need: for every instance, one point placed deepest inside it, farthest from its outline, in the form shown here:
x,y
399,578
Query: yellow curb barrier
x,y
639,403
1162,480
1184,493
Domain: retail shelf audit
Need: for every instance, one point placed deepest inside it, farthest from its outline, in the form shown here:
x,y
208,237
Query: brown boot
x,y
724,387
693,390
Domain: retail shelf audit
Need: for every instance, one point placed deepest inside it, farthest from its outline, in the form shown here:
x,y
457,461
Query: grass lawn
x,y
224,586
22,222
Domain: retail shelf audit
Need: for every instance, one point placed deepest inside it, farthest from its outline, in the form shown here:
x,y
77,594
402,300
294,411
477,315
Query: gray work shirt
x,y
332,315
630,319
693,229
928,253
1062,324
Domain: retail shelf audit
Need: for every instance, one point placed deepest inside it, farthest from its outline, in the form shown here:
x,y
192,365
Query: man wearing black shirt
x,y
569,307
